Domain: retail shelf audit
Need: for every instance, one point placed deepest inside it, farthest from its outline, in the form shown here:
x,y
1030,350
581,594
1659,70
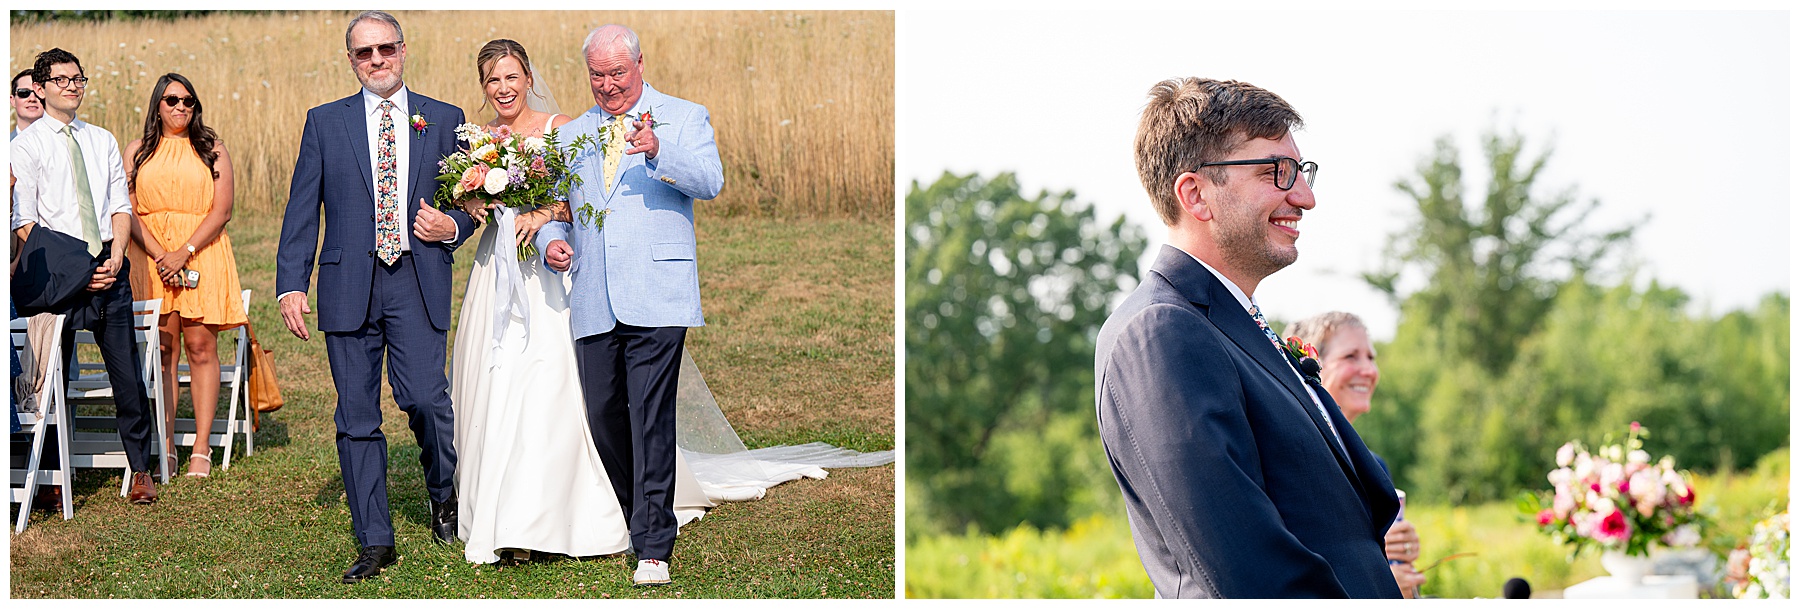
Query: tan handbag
x,y
265,391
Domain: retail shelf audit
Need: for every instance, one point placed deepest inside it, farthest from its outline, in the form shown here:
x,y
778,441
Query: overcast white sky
x,y
1681,116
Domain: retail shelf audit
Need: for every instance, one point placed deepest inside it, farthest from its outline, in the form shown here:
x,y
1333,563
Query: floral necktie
x,y
387,190
1256,313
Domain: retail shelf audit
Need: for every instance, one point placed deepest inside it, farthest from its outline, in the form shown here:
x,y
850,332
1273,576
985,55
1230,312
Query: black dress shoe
x,y
370,563
443,520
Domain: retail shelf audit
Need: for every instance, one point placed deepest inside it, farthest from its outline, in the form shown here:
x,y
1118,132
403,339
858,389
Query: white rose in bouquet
x,y
496,181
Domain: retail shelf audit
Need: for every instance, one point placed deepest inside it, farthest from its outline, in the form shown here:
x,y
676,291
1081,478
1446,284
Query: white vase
x,y
1630,569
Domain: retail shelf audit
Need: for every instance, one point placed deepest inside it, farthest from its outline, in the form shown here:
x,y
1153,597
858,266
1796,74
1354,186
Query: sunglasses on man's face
x,y
387,49
171,100
24,93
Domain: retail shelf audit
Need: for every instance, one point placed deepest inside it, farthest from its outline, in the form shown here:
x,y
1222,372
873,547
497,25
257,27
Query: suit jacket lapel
x,y
356,131
420,150
1201,287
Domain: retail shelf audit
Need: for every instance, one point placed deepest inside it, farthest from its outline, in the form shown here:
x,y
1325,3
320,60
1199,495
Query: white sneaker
x,y
651,573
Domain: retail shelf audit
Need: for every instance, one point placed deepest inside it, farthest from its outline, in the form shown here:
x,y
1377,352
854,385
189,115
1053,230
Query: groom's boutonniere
x,y
1306,355
418,123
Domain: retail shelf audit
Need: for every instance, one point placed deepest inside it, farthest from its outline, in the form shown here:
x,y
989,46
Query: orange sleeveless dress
x,y
174,193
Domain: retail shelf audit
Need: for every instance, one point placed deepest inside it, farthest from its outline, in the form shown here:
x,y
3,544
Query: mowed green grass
x,y
1095,557
798,348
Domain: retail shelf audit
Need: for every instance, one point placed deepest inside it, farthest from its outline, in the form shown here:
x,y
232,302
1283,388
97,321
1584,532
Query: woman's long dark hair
x,y
201,136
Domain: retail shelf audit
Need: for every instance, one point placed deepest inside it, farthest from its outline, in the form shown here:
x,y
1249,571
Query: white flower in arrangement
x,y
471,133
1638,456
534,145
496,181
486,153
1684,536
1565,455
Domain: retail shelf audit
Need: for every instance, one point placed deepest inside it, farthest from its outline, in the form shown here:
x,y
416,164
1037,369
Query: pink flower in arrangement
x,y
473,178
1563,504
502,132
1546,517
1613,527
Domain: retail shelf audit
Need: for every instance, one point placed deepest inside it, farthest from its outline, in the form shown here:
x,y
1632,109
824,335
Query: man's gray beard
x,y
1243,241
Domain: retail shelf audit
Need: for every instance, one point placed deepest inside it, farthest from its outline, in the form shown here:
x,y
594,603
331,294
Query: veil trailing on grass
x,y
728,471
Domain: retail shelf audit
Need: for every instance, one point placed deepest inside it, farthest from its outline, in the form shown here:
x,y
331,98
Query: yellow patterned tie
x,y
615,148
84,195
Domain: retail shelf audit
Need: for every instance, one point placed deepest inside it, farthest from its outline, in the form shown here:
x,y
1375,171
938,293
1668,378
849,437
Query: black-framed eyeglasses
x,y
23,93
387,49
1286,169
63,82
171,100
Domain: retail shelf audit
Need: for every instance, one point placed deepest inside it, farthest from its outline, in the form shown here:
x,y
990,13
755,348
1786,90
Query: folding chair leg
x,y
65,433
31,475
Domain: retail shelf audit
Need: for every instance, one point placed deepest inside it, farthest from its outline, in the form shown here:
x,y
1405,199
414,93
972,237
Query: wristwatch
x,y
191,249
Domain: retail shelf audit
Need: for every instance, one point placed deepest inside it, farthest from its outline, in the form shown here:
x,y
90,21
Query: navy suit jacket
x,y
1232,483
333,170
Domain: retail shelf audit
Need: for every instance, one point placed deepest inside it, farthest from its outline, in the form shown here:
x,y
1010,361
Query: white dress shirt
x,y
402,148
1245,301
46,192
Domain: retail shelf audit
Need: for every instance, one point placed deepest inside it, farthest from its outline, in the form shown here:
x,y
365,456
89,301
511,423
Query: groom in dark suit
x,y
1240,476
373,167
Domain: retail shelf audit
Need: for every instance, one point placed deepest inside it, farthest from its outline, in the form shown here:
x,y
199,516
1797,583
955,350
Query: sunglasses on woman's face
x,y
171,100
23,93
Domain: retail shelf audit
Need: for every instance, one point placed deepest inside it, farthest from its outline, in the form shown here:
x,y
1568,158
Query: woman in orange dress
x,y
179,176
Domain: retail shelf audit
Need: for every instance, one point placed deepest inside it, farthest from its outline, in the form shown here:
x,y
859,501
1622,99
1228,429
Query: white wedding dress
x,y
527,475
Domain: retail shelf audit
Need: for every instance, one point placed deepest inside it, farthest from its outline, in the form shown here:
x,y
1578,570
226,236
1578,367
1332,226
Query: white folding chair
x,y
89,385
50,414
225,430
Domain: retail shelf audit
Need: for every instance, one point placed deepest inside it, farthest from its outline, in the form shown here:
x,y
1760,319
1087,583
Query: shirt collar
x,y
54,125
372,102
1243,300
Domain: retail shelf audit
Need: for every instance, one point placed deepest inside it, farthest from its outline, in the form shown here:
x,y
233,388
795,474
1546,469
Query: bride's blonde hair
x,y
490,56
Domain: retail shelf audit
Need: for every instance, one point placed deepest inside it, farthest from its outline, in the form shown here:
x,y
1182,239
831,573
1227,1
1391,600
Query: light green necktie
x,y
84,198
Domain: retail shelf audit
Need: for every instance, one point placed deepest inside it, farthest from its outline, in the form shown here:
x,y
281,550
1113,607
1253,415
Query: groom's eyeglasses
x,y
387,49
171,100
1286,169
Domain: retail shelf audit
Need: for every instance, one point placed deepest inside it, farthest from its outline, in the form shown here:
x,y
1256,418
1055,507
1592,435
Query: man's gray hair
x,y
377,15
608,34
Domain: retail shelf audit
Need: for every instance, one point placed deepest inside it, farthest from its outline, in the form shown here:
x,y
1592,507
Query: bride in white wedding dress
x,y
528,477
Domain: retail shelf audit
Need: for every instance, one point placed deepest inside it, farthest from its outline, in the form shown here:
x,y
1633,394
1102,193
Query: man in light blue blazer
x,y
635,283
371,169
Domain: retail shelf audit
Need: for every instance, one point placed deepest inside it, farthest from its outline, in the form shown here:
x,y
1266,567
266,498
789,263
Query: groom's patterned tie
x,y
387,187
1264,324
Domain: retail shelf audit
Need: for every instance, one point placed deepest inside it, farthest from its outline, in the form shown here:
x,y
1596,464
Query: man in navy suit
x,y
373,167
1240,476
636,284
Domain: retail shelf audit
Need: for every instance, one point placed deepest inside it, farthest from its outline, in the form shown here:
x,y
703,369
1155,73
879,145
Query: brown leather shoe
x,y
143,489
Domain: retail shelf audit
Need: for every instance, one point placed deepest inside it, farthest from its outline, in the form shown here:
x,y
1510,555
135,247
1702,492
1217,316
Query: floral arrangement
x,y
1759,567
1308,357
418,123
508,168
1617,499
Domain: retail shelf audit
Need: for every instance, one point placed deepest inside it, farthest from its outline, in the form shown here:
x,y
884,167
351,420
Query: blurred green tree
x,y
1004,296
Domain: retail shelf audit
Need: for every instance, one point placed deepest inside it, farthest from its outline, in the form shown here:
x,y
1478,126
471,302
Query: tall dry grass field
x,y
802,102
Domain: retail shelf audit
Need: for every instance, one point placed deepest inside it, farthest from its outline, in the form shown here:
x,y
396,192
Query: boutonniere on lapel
x,y
1306,355
418,123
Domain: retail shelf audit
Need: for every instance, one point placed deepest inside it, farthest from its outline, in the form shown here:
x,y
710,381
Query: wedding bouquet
x,y
1617,499
1759,568
508,168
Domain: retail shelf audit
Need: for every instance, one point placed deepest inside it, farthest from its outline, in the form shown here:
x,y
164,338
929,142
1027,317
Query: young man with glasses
x,y
1241,477
70,179
26,105
368,170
